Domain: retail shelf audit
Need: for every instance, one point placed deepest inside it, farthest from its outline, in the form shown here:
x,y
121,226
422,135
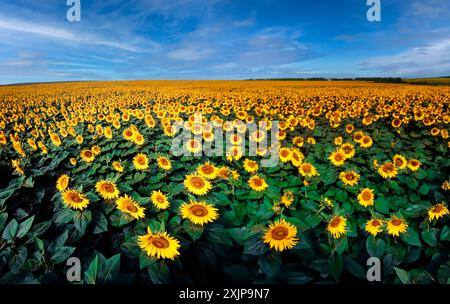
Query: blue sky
x,y
221,39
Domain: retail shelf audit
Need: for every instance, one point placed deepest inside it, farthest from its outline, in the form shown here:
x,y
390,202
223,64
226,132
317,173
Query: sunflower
x,y
348,149
437,211
281,235
159,200
366,142
366,197
296,157
349,128
117,166
307,170
257,183
87,156
73,161
414,164
164,163
387,170
193,146
445,185
159,245
107,189
396,225
128,134
96,150
400,161
208,171
199,213
338,141
374,226
337,158
349,178
63,182
287,198
357,136
127,205
336,227
140,161
250,166
284,154
197,184
74,199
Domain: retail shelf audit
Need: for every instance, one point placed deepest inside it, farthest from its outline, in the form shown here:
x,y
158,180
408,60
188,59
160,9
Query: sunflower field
x,y
87,172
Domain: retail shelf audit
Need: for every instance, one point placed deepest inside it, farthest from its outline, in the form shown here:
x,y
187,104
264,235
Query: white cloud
x,y
190,54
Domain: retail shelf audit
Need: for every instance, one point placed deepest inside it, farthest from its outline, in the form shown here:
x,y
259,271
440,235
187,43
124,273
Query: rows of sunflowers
x,y
88,172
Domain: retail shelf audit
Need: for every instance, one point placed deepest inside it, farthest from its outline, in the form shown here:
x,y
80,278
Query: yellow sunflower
x,y
281,235
63,182
127,205
366,142
437,211
117,166
164,163
284,154
197,184
159,245
396,226
400,161
366,197
140,161
193,146
414,164
257,183
287,198
87,156
307,170
348,149
387,170
107,190
208,171
374,226
250,166
74,199
337,158
96,150
349,178
199,213
336,227
159,200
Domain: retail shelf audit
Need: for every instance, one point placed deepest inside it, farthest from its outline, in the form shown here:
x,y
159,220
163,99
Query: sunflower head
x,y
128,206
366,197
374,226
250,166
164,163
117,166
141,162
63,182
349,178
74,199
199,213
197,184
388,170
208,170
107,189
159,245
159,200
87,156
437,211
337,226
281,235
257,183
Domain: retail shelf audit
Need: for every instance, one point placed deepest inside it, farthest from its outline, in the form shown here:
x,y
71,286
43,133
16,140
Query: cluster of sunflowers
x,y
355,159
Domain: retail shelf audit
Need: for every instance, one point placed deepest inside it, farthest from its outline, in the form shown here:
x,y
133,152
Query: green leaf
x,y
194,231
270,264
159,273
335,264
424,189
64,216
24,227
218,236
382,205
354,268
111,268
100,223
402,275
429,236
81,220
411,237
90,275
10,230
375,246
298,278
445,234
61,254
3,218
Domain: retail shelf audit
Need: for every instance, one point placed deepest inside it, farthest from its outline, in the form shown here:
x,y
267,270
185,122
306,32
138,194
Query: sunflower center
x,y
338,157
199,211
396,222
160,199
388,168
88,153
141,161
197,182
128,133
306,168
284,153
349,176
399,162
335,222
280,233
75,197
207,169
160,242
366,195
131,207
108,188
366,140
257,182
376,223
438,209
